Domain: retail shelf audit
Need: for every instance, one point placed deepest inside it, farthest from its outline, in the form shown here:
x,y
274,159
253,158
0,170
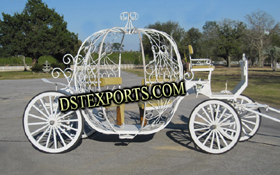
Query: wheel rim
x,y
250,121
47,128
215,126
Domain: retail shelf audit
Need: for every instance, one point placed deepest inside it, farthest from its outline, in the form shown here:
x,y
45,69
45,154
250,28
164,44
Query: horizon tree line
x,y
38,31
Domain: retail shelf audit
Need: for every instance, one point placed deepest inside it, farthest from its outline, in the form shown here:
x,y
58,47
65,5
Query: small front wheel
x,y
215,126
49,129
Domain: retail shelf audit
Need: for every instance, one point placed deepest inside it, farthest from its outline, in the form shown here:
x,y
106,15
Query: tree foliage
x,y
260,24
37,31
193,37
117,47
272,52
228,43
171,28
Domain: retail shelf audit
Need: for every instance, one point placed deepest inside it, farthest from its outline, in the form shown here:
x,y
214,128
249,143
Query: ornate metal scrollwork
x,y
129,16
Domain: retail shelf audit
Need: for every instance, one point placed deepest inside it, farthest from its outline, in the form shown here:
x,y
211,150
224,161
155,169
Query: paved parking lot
x,y
169,151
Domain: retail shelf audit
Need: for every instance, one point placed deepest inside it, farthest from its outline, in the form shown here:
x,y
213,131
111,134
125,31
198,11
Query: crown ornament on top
x,y
129,16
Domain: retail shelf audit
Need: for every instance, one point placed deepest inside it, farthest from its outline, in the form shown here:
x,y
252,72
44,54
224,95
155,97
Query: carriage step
x,y
126,136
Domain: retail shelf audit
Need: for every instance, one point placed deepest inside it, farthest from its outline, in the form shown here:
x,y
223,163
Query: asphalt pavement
x,y
170,151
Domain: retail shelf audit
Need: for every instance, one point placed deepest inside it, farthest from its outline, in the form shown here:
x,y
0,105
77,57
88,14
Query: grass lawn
x,y
263,86
23,75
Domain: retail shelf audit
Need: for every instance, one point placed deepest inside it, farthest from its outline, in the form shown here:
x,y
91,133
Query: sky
x,y
86,17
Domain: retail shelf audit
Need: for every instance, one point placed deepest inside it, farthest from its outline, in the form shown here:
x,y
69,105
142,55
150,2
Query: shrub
x,y
37,67
48,58
15,61
136,61
60,65
28,61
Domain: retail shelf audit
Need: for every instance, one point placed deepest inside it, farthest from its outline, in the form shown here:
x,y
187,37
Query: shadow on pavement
x,y
120,142
180,134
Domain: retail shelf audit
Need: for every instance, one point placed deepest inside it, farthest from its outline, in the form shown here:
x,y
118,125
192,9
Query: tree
x,y
117,47
275,35
36,31
12,38
192,37
229,34
260,24
208,38
171,28
272,52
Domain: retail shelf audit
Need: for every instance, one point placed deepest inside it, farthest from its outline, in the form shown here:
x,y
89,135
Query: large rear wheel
x,y
250,121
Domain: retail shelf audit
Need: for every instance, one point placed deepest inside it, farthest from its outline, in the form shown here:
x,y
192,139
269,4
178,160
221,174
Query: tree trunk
x,y
228,61
274,65
260,59
23,59
34,61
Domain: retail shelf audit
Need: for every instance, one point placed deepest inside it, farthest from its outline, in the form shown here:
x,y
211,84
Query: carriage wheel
x,y
250,121
215,126
87,131
47,128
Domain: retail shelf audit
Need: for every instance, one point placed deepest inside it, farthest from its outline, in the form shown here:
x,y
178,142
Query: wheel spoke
x,y
247,121
49,137
35,116
54,139
200,129
218,141
217,113
225,124
51,107
206,113
37,123
223,113
43,134
223,139
225,134
212,113
243,124
207,138
65,133
245,132
230,130
212,141
70,120
39,130
230,115
43,104
196,122
67,114
41,112
203,134
203,118
68,127
61,138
